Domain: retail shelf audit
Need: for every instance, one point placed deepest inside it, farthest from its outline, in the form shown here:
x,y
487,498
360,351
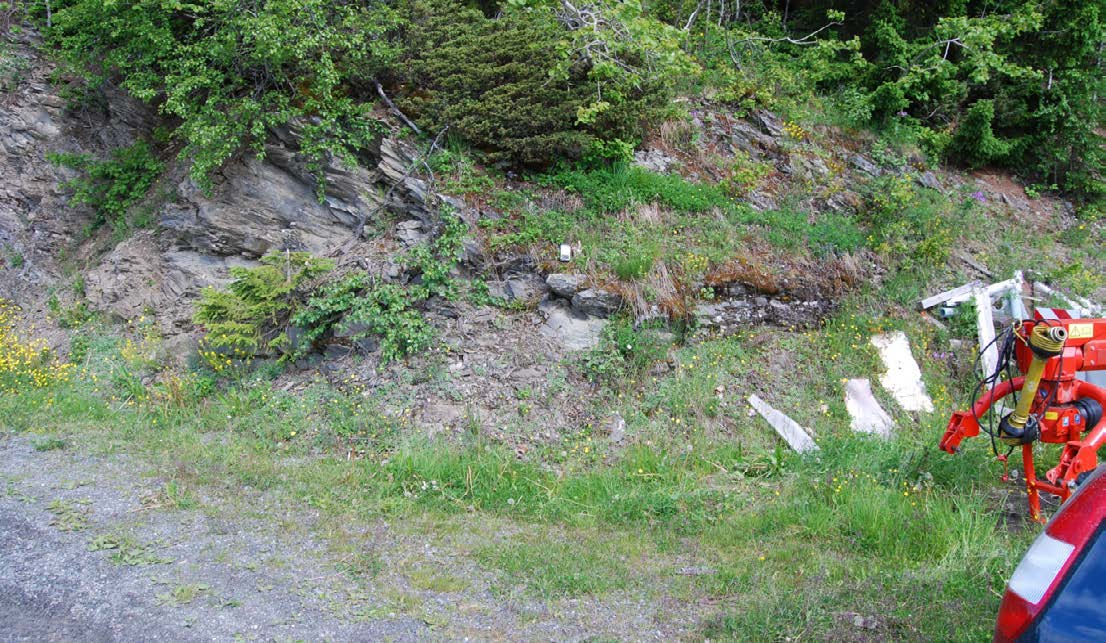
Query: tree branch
x,y
805,40
395,110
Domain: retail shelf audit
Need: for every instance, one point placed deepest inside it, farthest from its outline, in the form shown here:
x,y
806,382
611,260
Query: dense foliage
x,y
229,70
504,85
980,82
250,318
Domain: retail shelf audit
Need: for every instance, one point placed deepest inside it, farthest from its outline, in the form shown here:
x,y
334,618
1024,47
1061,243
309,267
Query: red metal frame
x,y
1060,422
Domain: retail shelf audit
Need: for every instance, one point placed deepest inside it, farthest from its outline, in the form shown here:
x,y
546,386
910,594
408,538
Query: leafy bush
x,y
254,316
974,141
110,187
360,308
912,226
1018,81
231,70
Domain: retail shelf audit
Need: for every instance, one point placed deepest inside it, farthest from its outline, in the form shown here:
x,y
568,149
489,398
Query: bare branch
x,y
395,110
805,40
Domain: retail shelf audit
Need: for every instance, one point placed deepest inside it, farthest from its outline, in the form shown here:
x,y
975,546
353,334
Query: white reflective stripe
x,y
1046,313
1039,568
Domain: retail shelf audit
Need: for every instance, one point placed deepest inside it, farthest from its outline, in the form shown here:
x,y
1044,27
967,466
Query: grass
x,y
183,594
50,444
864,526
69,515
629,221
435,580
595,566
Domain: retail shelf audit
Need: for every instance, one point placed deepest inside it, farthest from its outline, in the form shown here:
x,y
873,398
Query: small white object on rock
x,y
866,413
566,252
903,379
790,430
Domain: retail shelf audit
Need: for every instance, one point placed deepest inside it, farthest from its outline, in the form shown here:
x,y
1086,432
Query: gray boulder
x,y
864,165
596,302
573,331
564,285
528,288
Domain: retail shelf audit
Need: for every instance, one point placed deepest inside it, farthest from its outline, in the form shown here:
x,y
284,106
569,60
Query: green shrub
x,y
227,72
974,141
112,186
249,319
359,307
914,227
502,85
356,304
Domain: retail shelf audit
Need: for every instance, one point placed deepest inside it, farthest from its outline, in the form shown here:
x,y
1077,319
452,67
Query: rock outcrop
x,y
271,204
36,226
254,206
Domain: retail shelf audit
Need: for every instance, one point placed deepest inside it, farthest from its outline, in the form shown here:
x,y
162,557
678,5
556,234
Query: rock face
x,y
260,205
141,276
254,206
596,302
528,287
573,331
35,223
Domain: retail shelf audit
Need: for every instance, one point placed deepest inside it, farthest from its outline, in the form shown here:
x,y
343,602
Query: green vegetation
x,y
69,516
125,550
112,186
694,503
504,85
229,73
250,317
624,353
285,308
1010,83
869,526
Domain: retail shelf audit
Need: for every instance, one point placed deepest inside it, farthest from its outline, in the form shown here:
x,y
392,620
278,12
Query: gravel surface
x,y
207,577
90,551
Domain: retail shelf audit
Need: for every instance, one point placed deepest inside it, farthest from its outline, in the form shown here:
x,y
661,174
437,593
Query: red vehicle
x,y
1057,591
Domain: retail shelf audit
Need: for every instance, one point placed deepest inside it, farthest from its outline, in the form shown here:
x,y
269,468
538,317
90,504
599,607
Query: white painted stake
x,y
985,328
795,436
1015,305
940,298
